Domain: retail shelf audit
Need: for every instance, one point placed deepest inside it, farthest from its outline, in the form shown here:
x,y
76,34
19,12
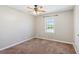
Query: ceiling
x,y
48,8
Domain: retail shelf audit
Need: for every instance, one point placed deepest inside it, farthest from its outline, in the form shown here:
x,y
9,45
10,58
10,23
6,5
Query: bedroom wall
x,y
15,26
76,28
64,27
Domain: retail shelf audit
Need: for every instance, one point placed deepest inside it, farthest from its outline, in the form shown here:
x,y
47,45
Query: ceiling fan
x,y
37,9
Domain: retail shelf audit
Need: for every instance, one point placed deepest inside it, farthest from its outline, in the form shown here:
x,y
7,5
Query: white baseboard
x,y
15,44
36,37
55,40
61,42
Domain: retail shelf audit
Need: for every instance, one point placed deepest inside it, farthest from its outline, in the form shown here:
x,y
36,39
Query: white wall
x,y
76,28
64,27
15,26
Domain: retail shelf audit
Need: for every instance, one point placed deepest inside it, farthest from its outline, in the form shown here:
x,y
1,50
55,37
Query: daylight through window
x,y
50,24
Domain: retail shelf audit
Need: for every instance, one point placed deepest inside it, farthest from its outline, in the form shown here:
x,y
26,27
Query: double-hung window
x,y
49,24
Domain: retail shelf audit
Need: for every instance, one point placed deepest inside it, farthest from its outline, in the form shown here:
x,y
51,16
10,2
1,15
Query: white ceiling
x,y
48,8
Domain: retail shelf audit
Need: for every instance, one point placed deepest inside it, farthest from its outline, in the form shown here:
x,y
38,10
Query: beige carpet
x,y
40,46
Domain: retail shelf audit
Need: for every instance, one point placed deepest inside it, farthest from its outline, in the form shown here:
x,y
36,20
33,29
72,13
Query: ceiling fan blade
x,y
40,7
29,8
41,10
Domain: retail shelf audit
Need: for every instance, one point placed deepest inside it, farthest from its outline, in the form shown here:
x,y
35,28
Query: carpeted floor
x,y
40,46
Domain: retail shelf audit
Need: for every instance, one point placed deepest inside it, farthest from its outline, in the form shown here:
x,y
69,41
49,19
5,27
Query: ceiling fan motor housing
x,y
36,9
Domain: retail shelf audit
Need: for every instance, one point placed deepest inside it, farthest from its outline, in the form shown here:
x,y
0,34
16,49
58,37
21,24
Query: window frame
x,y
46,24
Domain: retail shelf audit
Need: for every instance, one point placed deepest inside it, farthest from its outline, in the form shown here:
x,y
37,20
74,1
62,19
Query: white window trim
x,y
52,31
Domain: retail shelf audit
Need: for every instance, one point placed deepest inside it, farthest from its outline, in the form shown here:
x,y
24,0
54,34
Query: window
x,y
50,24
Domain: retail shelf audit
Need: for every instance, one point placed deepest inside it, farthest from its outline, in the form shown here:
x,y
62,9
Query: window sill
x,y
50,31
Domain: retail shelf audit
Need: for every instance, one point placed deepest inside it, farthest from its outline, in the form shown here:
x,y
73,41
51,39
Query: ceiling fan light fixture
x,y
36,13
